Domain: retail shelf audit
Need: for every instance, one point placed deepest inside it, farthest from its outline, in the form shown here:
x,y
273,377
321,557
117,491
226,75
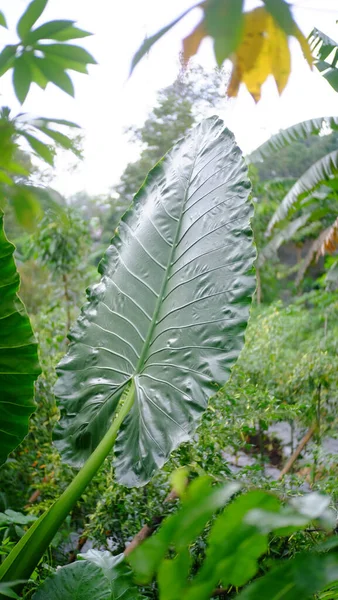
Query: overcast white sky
x,y
106,101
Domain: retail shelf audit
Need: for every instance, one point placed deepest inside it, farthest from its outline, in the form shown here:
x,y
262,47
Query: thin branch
x,y
298,450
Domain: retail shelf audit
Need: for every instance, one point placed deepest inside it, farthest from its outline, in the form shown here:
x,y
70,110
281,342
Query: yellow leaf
x,y
191,43
280,59
263,51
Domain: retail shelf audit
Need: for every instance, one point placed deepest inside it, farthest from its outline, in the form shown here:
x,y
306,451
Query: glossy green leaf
x,y
19,366
68,51
39,148
81,579
32,13
298,578
3,22
21,78
45,31
99,576
170,310
117,571
149,42
316,175
56,74
224,23
295,133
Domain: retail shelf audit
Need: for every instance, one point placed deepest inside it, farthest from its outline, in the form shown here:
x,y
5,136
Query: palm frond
x,y
295,133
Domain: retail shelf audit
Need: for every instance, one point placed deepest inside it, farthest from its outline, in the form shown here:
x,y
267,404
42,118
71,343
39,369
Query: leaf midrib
x,y
159,301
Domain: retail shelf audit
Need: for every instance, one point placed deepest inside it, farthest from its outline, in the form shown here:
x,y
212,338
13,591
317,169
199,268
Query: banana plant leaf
x,y
170,310
19,365
295,133
319,173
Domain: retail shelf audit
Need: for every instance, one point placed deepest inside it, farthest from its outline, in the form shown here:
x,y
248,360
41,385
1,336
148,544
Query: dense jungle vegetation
x,y
246,508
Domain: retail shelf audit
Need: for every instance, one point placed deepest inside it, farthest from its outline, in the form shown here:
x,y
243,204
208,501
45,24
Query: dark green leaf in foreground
x,y
181,529
299,578
19,366
170,310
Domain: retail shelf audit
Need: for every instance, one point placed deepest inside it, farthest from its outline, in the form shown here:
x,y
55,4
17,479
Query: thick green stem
x,y
26,555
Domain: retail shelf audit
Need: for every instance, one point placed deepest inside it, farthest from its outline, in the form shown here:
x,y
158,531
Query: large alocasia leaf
x,y
19,365
169,312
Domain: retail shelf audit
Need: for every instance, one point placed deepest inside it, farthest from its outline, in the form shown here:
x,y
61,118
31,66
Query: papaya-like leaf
x,y
71,33
39,148
7,58
68,51
19,365
47,30
22,78
32,13
56,74
170,310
